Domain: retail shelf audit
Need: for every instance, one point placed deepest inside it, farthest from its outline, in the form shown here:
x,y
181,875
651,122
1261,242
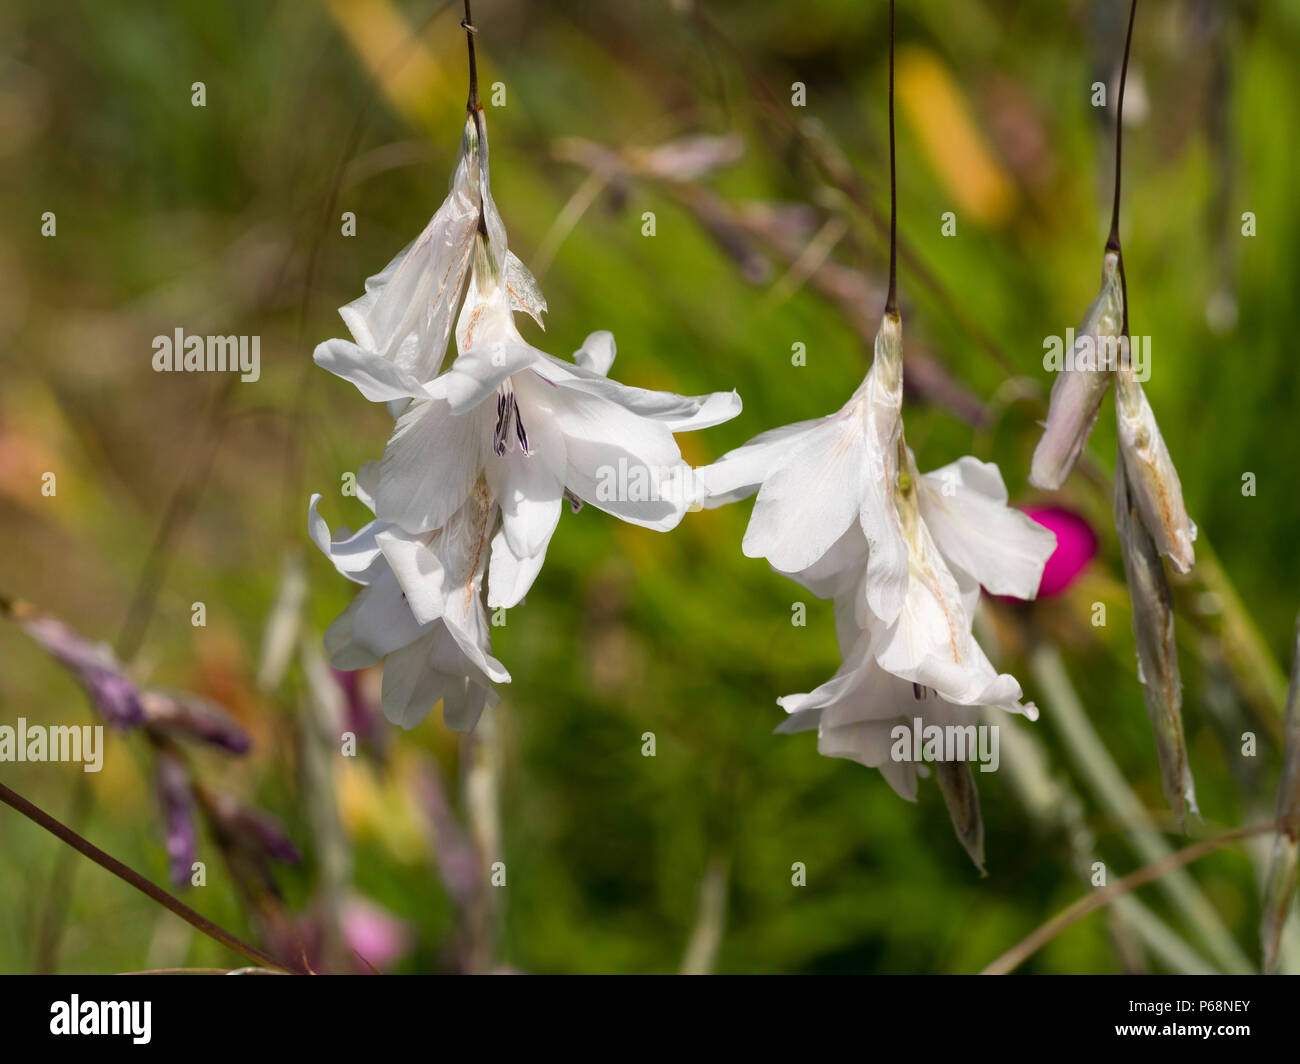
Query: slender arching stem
x,y
112,864
1030,945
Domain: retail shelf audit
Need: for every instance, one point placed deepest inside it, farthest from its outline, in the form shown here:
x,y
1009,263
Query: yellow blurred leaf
x,y
954,146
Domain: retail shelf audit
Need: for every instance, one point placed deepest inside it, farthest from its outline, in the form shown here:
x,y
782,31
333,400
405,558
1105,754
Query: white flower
x,y
842,510
421,611
1081,385
473,479
926,662
536,427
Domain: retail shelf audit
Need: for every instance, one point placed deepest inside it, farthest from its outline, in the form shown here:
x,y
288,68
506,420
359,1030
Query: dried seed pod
x,y
1153,480
1153,626
960,795
1081,383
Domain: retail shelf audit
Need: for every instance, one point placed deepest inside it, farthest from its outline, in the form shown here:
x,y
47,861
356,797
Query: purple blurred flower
x,y
254,831
188,716
1076,544
177,802
92,664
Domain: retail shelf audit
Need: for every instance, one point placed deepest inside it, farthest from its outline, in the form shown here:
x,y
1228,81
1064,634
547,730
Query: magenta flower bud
x,y
1076,546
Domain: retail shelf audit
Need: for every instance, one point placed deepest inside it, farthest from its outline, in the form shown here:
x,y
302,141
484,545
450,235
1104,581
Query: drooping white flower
x,y
843,510
926,662
472,481
421,610
1081,384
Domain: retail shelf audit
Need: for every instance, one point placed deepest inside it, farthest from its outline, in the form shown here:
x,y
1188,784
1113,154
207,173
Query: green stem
x,y
1157,870
1108,785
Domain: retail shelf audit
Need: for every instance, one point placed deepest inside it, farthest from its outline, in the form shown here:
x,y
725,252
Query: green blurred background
x,y
227,219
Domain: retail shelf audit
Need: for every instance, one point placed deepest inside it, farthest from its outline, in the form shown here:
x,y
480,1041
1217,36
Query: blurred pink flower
x,y
374,933
1076,544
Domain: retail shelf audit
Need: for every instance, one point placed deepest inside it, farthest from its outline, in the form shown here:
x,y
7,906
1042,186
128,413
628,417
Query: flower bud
x,y
1153,480
1080,384
1153,626
957,784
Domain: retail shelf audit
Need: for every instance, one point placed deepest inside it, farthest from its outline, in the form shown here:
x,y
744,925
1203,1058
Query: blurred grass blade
x,y
1153,626
1280,886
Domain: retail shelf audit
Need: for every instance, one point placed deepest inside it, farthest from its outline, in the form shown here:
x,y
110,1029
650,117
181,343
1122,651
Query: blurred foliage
x,y
226,219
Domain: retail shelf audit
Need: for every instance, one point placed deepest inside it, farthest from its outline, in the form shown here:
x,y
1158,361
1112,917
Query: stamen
x,y
506,408
520,432
575,504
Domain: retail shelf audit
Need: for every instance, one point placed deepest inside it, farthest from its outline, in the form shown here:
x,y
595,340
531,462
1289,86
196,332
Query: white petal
x,y
530,487
838,571
411,686
525,293
467,622
510,575
964,507
741,472
418,570
378,379
812,497
679,413
368,484
463,704
383,622
597,352
931,644
341,647
432,460
626,465
354,555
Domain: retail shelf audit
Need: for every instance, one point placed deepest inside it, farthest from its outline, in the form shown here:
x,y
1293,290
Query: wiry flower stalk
x,y
483,454
1150,516
843,510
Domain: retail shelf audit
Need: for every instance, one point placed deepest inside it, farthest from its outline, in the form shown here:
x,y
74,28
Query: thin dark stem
x,y
1112,244
468,25
891,300
112,864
